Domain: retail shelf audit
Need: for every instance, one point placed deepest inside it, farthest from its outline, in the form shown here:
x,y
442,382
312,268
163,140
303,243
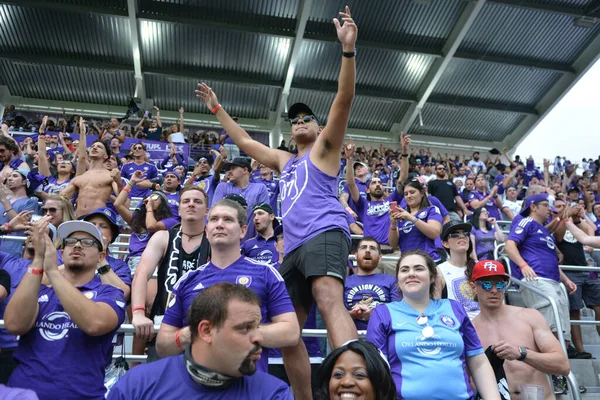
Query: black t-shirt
x,y
174,265
445,191
572,250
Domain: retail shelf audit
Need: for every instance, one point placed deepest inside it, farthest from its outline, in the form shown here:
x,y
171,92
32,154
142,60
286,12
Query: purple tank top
x,y
309,202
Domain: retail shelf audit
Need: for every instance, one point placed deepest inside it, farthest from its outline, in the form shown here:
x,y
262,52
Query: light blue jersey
x,y
426,364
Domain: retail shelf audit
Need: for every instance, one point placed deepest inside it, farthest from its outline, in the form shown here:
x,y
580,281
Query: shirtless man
x,y
96,185
519,336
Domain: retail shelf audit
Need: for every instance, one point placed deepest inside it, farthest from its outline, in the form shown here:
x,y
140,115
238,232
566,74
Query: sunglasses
x,y
85,242
441,169
50,210
138,148
488,285
456,235
306,119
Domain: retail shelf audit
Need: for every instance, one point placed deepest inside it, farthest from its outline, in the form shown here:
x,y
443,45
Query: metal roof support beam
x,y
140,88
438,67
584,62
303,14
66,7
557,9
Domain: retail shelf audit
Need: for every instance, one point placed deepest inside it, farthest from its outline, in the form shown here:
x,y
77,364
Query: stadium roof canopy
x,y
452,71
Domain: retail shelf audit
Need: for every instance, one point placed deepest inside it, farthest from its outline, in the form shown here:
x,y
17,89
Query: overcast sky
x,y
571,129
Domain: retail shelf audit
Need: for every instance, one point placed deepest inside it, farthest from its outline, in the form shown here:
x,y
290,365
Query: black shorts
x,y
324,255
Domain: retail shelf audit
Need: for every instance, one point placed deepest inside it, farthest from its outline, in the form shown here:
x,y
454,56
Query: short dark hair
x,y
106,147
369,239
378,370
429,263
211,304
241,213
188,188
9,144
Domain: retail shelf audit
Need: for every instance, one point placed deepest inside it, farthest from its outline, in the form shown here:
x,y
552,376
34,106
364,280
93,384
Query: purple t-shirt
x,y
254,193
149,169
261,249
309,208
411,238
484,242
434,201
536,246
50,353
490,206
381,288
173,200
273,190
362,189
530,172
262,278
208,184
139,240
7,393
16,268
169,379
375,218
417,362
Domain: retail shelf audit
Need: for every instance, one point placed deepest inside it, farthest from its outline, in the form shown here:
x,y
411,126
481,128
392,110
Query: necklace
x,y
190,237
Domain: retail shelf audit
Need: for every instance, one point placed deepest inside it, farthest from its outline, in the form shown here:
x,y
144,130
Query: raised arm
x,y
82,149
581,236
158,122
330,140
272,158
43,165
350,181
405,142
181,120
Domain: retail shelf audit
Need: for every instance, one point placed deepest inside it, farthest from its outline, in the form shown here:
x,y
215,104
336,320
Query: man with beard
x,y
366,289
171,183
476,164
8,157
70,323
360,172
445,191
517,335
262,247
96,185
221,360
226,227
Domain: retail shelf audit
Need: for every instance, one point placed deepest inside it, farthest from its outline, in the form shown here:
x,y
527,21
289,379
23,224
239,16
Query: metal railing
x,y
571,380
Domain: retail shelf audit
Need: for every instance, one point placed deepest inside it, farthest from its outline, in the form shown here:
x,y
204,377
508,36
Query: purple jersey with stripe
x,y
309,202
490,206
173,200
261,249
262,278
416,360
411,238
376,288
55,347
536,246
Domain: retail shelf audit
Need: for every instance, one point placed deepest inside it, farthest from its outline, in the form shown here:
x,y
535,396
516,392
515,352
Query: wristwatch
x,y
523,351
103,269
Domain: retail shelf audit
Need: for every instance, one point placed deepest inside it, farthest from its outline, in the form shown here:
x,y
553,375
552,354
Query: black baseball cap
x,y
243,162
238,199
298,108
263,206
453,226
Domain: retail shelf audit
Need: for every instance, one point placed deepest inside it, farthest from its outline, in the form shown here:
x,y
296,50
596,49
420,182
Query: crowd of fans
x,y
234,254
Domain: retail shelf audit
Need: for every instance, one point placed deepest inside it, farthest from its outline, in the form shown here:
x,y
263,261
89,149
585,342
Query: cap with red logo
x,y
486,268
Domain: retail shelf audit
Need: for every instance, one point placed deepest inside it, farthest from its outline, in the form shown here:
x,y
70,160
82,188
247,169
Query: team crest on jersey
x,y
448,321
518,231
90,295
422,214
243,280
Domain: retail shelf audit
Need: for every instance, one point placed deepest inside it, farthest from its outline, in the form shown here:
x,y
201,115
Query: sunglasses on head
x,y
488,285
456,235
306,119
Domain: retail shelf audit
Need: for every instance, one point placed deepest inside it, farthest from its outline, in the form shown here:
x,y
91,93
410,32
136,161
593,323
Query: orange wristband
x,y
177,342
217,108
523,265
134,309
35,271
125,188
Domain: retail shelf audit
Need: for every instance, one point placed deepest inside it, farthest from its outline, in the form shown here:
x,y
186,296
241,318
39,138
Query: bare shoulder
x,y
283,157
528,316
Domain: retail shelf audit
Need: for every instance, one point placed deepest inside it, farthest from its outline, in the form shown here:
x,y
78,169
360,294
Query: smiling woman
x,y
424,338
355,371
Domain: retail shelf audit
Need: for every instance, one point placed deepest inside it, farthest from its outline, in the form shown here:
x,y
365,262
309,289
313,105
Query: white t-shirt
x,y
459,288
514,206
177,137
